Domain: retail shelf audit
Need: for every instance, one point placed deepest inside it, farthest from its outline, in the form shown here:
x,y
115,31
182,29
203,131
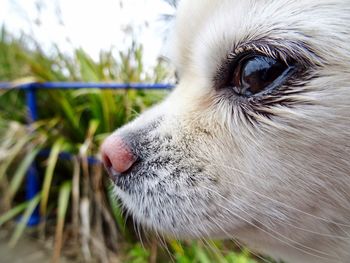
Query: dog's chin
x,y
165,228
167,211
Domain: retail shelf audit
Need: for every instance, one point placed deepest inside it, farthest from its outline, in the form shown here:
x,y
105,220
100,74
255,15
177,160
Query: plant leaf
x,y
20,174
13,212
12,154
22,224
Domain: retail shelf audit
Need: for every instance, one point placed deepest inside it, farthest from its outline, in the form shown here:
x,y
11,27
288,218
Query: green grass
x,y
74,197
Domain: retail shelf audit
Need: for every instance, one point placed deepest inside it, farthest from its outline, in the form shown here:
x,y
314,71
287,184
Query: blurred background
x,y
73,216
91,25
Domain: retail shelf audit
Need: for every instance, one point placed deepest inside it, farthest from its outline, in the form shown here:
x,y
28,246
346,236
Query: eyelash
x,y
289,94
303,72
253,49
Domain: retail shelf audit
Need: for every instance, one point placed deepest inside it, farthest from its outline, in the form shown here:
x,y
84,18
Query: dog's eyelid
x,y
288,51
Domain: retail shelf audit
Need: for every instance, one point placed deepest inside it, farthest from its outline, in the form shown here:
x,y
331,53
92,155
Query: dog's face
x,y
254,142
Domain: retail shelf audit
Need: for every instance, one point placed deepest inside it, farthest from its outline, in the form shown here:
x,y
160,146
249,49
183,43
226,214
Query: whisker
x,y
137,230
286,223
238,244
289,241
205,241
164,244
279,202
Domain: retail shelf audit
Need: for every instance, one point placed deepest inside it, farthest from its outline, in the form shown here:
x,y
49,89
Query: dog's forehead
x,y
207,30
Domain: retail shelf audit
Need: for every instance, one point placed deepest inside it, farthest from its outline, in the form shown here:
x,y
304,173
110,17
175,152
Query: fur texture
x,y
272,171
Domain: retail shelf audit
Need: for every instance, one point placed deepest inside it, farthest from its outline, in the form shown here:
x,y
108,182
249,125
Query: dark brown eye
x,y
256,74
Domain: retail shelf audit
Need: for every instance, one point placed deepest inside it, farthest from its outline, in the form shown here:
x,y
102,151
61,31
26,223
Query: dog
x,y
254,142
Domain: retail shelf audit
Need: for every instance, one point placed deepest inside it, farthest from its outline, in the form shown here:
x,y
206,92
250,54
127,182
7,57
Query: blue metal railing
x,y
32,179
82,85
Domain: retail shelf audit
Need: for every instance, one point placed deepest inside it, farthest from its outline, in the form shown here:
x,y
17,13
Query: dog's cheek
x,y
190,164
175,177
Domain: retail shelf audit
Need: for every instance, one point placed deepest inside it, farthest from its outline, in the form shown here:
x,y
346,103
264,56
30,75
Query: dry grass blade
x,y
49,175
75,198
153,251
63,201
103,219
85,230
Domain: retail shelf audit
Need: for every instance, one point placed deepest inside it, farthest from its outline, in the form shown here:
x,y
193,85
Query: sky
x,y
90,24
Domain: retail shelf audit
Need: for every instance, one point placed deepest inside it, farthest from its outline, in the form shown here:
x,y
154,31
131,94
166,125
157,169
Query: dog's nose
x,y
117,154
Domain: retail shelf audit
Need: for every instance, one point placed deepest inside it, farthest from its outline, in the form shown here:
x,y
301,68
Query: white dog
x,y
254,142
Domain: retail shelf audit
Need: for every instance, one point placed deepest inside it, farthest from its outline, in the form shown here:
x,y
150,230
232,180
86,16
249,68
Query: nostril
x,y
106,161
117,155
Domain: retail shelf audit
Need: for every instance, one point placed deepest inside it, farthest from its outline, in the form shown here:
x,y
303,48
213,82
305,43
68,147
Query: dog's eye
x,y
256,74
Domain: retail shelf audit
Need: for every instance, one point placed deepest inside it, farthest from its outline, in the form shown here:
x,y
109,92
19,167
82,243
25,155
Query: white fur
x,y
280,184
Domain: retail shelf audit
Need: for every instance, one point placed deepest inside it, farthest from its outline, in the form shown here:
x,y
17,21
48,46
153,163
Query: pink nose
x,y
116,154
